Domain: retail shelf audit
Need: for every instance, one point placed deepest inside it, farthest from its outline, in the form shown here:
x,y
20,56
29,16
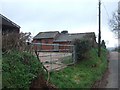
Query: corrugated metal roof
x,y
60,37
71,37
50,34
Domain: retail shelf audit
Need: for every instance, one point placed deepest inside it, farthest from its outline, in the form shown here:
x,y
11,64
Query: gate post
x,y
74,53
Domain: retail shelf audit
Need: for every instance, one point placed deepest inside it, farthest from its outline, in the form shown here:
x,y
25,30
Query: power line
x,y
106,10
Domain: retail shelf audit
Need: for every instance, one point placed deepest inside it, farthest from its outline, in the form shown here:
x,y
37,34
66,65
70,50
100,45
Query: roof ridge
x,y
48,31
80,33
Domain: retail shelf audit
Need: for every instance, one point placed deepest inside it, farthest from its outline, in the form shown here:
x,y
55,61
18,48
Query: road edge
x,y
103,81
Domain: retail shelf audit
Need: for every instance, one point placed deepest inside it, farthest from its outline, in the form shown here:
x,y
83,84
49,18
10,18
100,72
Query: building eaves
x,y
6,21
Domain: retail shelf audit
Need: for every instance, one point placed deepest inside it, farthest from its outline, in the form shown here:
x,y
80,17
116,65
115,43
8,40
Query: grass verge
x,y
83,74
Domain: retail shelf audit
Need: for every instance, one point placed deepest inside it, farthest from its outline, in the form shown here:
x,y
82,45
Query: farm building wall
x,y
64,46
47,47
43,47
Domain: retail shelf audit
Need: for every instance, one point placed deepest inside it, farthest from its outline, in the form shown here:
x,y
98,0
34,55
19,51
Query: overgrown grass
x,y
83,74
67,60
19,69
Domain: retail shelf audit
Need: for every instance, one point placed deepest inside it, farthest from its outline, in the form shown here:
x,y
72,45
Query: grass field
x,y
83,74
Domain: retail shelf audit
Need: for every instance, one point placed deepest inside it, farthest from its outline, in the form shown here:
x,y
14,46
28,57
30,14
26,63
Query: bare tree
x,y
16,41
24,39
114,23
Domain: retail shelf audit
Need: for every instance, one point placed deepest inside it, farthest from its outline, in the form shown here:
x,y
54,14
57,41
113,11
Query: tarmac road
x,y
113,68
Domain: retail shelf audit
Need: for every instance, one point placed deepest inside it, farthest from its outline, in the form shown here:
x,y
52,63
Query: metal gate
x,y
57,57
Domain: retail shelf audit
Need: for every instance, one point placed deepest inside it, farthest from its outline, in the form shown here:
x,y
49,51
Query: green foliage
x,y
81,48
19,69
103,44
83,74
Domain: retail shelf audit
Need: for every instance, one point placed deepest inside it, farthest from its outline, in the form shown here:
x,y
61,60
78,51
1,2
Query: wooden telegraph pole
x,y
99,36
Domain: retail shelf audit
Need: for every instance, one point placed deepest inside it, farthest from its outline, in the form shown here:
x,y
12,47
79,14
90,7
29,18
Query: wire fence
x,y
55,56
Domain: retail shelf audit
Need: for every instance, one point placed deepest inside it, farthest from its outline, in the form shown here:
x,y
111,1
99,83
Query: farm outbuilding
x,y
56,41
8,26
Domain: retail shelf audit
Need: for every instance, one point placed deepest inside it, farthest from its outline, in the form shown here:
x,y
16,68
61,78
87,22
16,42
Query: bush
x,y
81,48
103,44
16,41
19,69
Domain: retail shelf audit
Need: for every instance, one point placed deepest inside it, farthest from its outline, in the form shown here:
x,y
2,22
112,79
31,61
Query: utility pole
x,y
99,36
118,20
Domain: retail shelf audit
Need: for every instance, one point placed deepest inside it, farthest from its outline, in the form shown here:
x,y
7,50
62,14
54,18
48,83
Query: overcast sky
x,y
76,16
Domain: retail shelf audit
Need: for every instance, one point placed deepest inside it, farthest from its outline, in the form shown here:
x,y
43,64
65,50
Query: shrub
x,y
103,44
81,48
19,69
16,41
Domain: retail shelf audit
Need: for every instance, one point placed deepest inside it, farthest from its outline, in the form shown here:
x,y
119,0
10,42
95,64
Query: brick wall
x,y
64,48
47,47
43,47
